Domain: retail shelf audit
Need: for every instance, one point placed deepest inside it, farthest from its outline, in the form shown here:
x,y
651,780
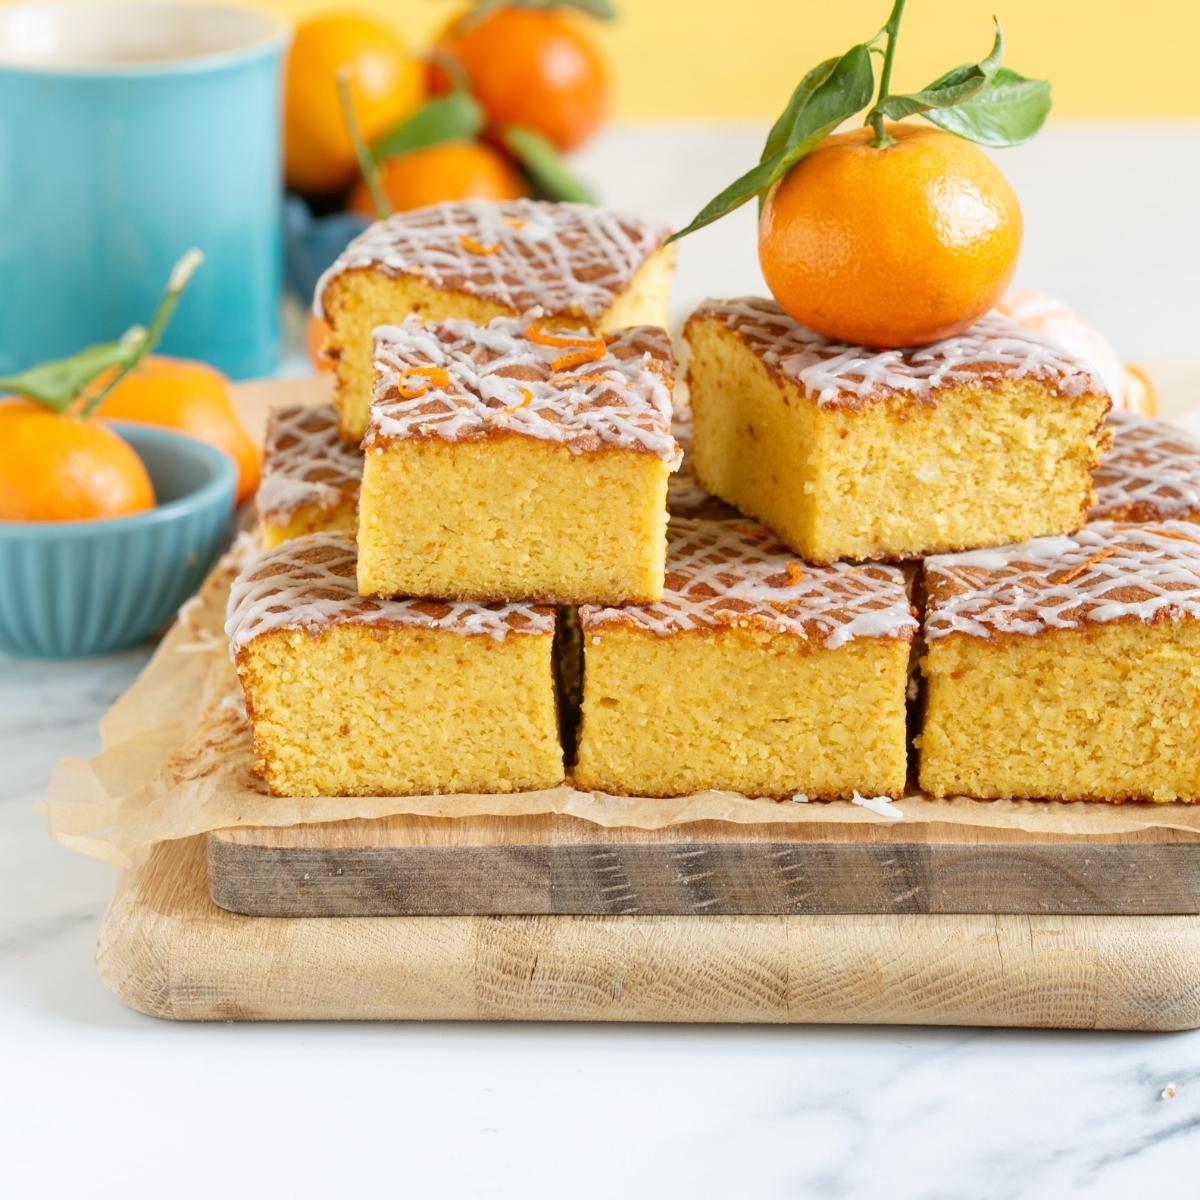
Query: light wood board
x,y
560,865
167,950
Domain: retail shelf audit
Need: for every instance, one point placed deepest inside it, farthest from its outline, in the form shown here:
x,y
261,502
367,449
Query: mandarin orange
x,y
316,332
889,247
59,467
447,171
386,84
192,398
535,68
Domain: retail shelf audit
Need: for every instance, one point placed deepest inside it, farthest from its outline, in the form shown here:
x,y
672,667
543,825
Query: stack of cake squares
x,y
510,556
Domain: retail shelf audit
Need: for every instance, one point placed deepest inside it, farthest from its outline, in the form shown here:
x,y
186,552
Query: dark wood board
x,y
544,865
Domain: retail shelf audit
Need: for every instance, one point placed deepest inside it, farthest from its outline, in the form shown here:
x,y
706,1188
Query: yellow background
x,y
740,58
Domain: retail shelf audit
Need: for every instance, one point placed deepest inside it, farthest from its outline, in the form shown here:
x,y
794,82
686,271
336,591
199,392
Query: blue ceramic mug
x,y
129,132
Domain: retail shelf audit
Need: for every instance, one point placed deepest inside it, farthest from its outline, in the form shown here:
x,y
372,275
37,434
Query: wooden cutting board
x,y
167,950
561,865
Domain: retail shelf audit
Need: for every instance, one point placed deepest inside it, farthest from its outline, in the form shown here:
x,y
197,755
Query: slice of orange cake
x,y
517,460
477,259
981,439
754,673
1066,668
1152,472
354,696
310,476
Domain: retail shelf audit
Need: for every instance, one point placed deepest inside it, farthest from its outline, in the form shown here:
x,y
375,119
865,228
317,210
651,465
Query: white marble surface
x,y
98,1101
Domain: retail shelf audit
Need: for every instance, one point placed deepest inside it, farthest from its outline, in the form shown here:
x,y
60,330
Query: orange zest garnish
x,y
435,376
515,222
526,401
1075,572
469,243
536,331
577,358
794,572
759,535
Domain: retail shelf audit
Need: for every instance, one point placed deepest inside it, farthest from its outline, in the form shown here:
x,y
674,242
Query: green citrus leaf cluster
x,y
983,102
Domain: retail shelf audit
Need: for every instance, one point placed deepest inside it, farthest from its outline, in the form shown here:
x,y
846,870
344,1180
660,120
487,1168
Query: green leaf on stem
x,y
457,117
1008,110
824,99
953,88
546,168
57,385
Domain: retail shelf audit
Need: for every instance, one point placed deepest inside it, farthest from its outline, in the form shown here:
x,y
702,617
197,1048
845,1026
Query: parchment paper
x,y
177,761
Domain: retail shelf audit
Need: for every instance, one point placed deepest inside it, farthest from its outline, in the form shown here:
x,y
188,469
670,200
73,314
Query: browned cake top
x,y
305,462
309,584
1108,571
723,575
566,259
837,374
1151,474
461,381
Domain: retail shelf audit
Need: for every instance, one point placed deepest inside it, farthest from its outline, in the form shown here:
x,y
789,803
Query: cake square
x,y
755,673
1152,472
355,696
851,453
515,460
310,476
1066,668
575,263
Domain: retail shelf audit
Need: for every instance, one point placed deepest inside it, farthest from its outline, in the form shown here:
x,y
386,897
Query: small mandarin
x,y
386,84
316,334
447,171
59,467
192,398
534,68
895,246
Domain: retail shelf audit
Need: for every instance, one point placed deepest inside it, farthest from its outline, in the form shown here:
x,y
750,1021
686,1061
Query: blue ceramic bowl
x,y
73,588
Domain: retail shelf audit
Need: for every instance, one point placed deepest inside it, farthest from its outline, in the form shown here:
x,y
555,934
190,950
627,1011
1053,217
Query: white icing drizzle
x,y
1050,317
723,574
881,806
1152,472
834,373
305,462
309,583
501,381
567,259
1108,571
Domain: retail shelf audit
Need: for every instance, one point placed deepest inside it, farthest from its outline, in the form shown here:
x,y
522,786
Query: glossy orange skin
x,y
315,333
59,467
449,171
386,84
192,398
534,68
890,247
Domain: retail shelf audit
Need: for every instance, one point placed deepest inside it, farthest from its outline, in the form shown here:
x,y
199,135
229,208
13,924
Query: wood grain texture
x,y
402,866
167,950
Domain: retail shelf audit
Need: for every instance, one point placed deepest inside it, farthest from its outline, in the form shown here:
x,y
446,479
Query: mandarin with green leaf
x,y
447,171
894,246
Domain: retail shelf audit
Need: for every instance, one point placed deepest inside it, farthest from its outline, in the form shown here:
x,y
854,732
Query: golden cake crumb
x,y
750,674
575,263
528,463
349,695
310,476
850,453
1065,668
